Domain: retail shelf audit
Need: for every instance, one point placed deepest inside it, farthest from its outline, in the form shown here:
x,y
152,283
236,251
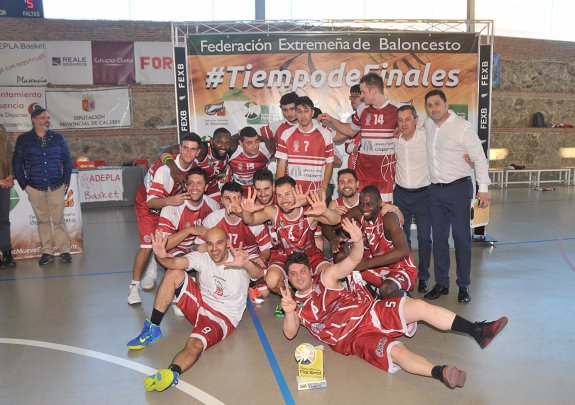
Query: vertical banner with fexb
x,y
484,102
182,91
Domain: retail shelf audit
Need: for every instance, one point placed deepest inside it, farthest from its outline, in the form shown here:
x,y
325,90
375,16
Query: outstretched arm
x,y
341,127
331,276
251,212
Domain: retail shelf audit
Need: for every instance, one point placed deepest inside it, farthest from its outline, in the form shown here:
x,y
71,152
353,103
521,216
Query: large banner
x,y
23,222
23,63
16,104
69,62
93,108
154,62
238,79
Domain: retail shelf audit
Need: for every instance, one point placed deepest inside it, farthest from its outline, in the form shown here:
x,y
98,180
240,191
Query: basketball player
x,y
214,305
352,323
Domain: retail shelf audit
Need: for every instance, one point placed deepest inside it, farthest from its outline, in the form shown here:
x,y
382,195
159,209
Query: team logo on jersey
x,y
147,238
368,146
380,346
317,327
299,304
368,119
187,224
296,146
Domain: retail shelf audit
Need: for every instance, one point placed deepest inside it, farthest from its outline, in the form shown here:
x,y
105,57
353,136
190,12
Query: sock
x,y
134,282
462,325
157,317
437,373
175,368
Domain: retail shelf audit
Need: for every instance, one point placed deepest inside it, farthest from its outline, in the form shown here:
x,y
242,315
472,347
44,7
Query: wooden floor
x,y
63,328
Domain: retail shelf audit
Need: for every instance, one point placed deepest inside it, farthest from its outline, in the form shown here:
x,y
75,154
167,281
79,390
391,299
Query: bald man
x,y
214,304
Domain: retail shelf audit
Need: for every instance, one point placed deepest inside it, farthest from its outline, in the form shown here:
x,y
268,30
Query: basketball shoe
x,y
161,381
149,334
484,332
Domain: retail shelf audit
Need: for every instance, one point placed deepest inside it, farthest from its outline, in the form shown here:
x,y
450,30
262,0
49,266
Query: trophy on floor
x,y
310,367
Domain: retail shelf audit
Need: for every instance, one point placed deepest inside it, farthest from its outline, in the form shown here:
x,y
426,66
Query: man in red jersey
x,y
377,121
157,191
294,226
249,154
183,224
352,323
305,152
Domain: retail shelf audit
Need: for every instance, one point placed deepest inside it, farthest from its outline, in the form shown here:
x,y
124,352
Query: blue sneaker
x,y
161,381
150,333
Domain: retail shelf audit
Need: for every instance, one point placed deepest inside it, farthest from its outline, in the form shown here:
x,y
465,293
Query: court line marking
x,y
67,276
280,379
183,386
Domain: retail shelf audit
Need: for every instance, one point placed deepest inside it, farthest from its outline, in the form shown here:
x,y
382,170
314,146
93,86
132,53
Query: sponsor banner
x,y
113,62
94,108
484,107
23,223
69,62
16,105
22,8
154,62
101,185
182,101
23,63
237,80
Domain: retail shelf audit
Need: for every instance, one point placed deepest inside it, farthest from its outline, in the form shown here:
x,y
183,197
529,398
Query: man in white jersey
x,y
214,305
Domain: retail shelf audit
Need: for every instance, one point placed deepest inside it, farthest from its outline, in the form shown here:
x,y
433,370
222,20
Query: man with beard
x,y
157,191
214,305
183,224
295,226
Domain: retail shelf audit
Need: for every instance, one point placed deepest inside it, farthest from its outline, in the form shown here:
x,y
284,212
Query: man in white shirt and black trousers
x,y
411,192
448,138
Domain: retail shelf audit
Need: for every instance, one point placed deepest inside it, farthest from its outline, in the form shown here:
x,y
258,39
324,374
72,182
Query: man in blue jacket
x,y
43,167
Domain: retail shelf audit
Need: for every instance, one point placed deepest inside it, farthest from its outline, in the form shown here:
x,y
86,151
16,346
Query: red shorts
x,y
147,224
210,326
278,258
404,279
373,338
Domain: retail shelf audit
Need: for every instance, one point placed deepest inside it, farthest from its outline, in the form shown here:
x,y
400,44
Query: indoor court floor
x,y
64,328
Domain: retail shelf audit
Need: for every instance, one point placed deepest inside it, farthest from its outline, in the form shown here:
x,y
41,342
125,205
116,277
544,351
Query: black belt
x,y
412,190
454,182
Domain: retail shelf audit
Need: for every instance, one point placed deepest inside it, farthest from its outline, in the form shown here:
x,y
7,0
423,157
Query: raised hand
x,y
288,303
353,229
249,203
198,231
178,199
240,257
300,198
317,204
159,241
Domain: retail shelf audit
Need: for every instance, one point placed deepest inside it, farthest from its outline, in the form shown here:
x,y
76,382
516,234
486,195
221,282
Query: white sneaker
x,y
134,296
149,280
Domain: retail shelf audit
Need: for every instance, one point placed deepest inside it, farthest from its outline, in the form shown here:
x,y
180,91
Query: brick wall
x,y
536,75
